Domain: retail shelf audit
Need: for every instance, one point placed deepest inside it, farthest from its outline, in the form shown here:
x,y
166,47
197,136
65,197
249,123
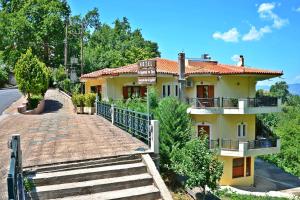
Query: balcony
x,y
245,148
223,105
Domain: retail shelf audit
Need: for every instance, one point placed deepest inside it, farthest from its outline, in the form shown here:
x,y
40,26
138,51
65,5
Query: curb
x,y
68,96
7,88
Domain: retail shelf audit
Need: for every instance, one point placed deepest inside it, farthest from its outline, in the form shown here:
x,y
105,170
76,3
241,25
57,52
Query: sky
x,y
266,33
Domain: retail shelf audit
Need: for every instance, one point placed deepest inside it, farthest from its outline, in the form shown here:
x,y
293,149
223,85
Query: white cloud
x,y
255,34
297,9
231,35
235,58
265,11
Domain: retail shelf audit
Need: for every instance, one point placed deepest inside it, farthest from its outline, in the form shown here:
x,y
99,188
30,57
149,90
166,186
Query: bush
x,y
59,75
78,100
66,85
198,163
89,99
31,74
3,77
175,127
33,101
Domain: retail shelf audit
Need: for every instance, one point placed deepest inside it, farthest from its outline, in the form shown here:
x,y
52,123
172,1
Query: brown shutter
x,y
200,91
143,91
211,91
125,92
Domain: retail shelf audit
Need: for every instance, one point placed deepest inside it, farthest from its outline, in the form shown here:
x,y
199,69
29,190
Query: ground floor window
x,y
134,91
237,167
96,89
248,166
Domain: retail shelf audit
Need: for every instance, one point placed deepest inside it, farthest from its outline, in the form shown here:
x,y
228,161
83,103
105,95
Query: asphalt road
x,y
7,97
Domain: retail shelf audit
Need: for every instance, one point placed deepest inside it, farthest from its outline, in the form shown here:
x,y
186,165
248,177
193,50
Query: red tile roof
x,y
165,66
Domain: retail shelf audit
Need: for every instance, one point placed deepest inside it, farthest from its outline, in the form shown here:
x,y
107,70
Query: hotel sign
x,y
147,72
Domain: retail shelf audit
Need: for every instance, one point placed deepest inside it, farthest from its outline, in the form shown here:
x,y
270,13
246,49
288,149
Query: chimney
x,y
181,78
242,61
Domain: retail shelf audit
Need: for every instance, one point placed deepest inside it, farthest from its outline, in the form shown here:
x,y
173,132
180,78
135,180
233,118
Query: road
x,y
7,97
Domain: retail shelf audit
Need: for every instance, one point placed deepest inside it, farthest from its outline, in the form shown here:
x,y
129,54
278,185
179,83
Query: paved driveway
x,y
268,177
59,135
7,97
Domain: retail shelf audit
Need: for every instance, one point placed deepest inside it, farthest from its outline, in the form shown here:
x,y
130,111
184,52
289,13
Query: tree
x,y
3,76
175,127
280,89
32,75
198,164
117,46
35,24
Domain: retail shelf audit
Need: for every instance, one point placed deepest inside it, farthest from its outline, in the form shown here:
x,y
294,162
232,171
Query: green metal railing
x,y
15,187
104,109
133,122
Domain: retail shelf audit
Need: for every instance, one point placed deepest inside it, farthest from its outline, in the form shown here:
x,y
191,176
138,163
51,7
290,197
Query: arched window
x,y
241,129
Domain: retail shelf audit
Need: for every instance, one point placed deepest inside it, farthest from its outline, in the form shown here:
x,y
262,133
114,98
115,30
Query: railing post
x,y
154,131
112,113
96,103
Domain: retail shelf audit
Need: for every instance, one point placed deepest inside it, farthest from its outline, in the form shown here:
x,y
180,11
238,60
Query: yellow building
x,y
222,105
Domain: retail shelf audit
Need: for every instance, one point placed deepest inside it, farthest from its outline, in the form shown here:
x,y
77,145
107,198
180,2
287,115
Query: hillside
x,y
293,88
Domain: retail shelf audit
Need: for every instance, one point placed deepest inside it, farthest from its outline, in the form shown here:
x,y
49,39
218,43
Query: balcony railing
x,y
203,102
226,102
233,145
262,101
262,143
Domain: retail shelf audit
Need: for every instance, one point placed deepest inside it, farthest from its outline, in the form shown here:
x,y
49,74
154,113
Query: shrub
x,y
198,163
66,85
33,101
59,75
3,77
89,99
78,100
175,127
31,74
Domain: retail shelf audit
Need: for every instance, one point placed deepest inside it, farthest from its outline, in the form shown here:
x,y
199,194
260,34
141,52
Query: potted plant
x,y
78,102
234,102
89,100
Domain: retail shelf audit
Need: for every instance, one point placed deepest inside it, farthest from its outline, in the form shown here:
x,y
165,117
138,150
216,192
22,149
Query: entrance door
x,y
205,95
203,129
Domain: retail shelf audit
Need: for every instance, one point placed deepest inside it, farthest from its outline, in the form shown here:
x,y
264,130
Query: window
x,y
248,166
241,130
166,90
176,90
134,91
237,167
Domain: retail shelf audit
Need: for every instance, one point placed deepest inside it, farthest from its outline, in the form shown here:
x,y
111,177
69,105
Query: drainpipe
x,y
181,78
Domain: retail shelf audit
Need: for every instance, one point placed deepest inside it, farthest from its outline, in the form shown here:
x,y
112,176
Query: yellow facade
x,y
222,126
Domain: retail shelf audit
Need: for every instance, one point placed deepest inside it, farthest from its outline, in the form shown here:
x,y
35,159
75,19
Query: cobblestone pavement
x,y
59,135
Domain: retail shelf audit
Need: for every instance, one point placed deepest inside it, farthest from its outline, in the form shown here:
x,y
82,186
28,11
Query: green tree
x,y
117,46
32,75
198,164
35,24
280,89
3,76
175,127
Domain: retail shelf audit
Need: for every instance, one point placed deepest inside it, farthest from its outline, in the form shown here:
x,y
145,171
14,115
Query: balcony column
x,y
243,148
242,105
279,101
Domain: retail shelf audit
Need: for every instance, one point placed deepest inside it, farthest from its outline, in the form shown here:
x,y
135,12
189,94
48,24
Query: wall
x,y
225,86
225,126
227,179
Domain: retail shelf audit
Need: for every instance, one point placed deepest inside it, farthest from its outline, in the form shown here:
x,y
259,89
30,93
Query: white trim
x,y
204,124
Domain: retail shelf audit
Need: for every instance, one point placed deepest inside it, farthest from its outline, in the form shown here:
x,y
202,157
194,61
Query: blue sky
x,y
267,33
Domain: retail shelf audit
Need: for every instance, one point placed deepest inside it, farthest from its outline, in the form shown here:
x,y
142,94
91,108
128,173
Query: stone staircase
x,y
119,177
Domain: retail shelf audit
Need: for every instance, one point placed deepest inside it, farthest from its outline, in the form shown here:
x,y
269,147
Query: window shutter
x,y
200,91
125,92
143,91
211,91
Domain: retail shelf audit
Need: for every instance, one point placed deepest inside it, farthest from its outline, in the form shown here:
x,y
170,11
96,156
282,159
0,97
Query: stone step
x,y
91,187
87,174
84,164
145,193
